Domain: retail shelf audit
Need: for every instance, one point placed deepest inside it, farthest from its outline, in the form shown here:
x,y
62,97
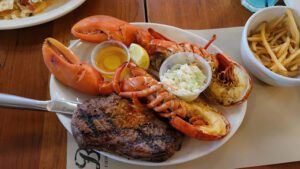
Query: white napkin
x,y
270,132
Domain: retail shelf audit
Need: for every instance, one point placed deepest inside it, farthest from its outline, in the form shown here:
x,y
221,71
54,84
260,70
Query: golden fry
x,y
292,57
257,30
266,63
279,35
262,52
267,46
265,59
259,47
294,68
258,58
256,35
284,47
253,45
288,73
293,27
276,48
277,22
278,30
294,62
283,56
254,39
291,49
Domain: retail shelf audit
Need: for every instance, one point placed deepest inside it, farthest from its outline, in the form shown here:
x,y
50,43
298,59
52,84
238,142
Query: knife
x,y
57,106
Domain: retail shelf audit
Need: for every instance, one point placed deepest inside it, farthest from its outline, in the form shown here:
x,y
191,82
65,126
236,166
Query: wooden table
x,y
32,139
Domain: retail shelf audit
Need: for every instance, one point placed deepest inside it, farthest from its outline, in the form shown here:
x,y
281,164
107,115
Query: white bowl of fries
x,y
270,46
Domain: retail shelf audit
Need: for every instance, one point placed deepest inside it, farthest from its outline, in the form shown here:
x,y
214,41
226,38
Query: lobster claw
x,y
100,28
68,69
204,122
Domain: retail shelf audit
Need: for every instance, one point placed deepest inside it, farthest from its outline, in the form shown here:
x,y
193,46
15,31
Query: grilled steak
x,y
113,124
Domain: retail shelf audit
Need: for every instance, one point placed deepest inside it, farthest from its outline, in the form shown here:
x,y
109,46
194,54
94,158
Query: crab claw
x,y
204,122
68,69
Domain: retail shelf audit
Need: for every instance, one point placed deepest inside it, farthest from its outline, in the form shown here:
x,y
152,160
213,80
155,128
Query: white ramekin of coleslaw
x,y
185,75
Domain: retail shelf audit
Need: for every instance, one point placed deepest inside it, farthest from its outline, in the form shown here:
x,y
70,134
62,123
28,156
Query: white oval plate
x,y
52,12
191,148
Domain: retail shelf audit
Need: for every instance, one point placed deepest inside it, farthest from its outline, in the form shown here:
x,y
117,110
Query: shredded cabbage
x,y
184,79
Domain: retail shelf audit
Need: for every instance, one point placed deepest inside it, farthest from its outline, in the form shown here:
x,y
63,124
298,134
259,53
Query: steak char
x,y
112,124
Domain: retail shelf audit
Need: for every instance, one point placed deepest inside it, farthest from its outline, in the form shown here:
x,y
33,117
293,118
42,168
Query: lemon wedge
x,y
139,56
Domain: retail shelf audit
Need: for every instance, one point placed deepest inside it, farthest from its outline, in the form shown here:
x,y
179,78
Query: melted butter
x,y
110,58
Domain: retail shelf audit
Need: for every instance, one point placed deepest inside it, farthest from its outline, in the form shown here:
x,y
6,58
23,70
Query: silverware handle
x,y
7,100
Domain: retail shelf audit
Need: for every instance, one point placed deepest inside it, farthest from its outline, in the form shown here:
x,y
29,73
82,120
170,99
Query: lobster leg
x,y
106,88
157,35
131,84
142,93
212,39
172,105
164,96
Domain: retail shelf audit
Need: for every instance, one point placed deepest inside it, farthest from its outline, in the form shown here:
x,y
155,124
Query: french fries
x,y
277,45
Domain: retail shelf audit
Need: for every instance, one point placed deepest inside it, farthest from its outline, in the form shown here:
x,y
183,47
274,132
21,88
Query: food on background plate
x,y
12,9
96,29
112,124
184,79
277,45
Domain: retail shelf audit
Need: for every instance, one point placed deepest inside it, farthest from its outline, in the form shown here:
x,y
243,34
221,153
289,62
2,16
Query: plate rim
x,y
42,17
165,163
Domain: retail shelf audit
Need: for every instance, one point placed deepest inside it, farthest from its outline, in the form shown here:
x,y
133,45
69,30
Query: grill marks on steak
x,y
113,124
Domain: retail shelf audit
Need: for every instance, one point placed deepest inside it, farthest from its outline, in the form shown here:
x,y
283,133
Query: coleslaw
x,y
184,79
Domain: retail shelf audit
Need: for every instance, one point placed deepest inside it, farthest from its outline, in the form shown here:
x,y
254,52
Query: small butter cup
x,y
102,45
187,58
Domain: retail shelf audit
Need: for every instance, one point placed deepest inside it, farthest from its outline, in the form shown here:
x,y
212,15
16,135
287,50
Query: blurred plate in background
x,y
52,12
